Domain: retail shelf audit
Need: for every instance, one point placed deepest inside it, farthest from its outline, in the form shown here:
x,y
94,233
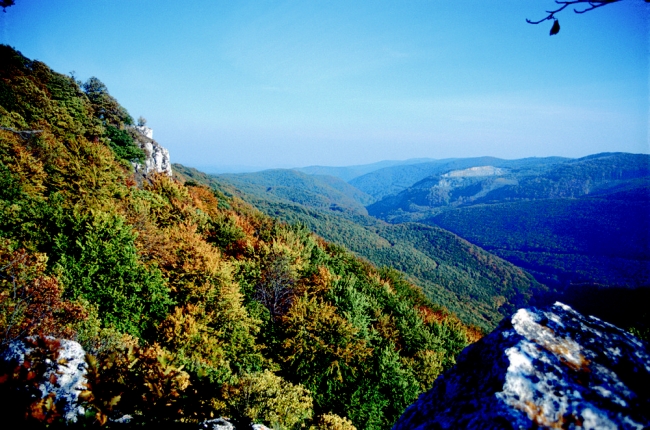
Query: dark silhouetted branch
x,y
590,5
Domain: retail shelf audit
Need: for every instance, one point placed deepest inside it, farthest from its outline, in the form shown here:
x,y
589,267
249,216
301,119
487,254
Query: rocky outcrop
x,y
157,157
224,424
549,368
145,131
62,377
42,378
217,424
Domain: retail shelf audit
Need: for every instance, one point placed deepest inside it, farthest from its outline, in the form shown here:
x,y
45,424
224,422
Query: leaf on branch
x,y
556,28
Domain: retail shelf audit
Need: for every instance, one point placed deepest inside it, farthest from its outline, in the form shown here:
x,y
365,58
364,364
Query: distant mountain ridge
x,y
517,180
347,173
394,179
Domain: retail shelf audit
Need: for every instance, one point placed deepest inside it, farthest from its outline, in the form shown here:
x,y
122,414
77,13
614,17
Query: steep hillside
x,y
475,285
190,303
563,241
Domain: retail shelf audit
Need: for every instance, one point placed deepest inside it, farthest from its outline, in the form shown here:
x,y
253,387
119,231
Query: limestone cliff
x,y
157,157
550,368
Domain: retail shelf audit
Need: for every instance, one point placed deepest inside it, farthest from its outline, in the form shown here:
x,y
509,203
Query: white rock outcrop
x,y
224,424
547,369
145,131
157,157
217,424
65,377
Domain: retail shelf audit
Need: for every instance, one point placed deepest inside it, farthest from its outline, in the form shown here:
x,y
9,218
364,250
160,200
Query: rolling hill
x,y
347,173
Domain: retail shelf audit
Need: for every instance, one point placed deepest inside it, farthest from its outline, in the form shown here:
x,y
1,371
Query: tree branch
x,y
593,4
25,134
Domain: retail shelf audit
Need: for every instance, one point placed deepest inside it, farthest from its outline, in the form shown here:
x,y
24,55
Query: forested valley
x,y
483,236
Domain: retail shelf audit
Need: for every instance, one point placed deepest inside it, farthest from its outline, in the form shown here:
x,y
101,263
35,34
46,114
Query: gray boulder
x,y
548,368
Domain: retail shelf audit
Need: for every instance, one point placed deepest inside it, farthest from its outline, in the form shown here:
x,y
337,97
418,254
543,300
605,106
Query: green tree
x,y
123,145
107,109
97,259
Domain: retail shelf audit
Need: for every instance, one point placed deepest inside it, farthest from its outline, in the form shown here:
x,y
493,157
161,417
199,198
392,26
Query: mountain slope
x,y
325,192
475,285
565,240
189,302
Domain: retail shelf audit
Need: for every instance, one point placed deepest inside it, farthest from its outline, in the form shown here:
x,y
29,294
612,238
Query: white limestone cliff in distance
x,y
157,157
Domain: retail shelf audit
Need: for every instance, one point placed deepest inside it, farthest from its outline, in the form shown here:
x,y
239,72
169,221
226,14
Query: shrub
x,y
134,380
332,422
30,302
123,145
266,398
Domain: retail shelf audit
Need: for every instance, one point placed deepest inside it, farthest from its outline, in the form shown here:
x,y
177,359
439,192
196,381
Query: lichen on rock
x,y
542,368
64,376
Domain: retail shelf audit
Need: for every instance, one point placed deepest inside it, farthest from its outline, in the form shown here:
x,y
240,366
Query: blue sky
x,y
294,83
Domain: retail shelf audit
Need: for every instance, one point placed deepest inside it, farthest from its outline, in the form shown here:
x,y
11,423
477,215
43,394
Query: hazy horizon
x,y
234,169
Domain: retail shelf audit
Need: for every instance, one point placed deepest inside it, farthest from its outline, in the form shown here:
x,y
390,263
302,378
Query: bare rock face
x,y
217,424
64,377
549,368
157,157
224,424
144,130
